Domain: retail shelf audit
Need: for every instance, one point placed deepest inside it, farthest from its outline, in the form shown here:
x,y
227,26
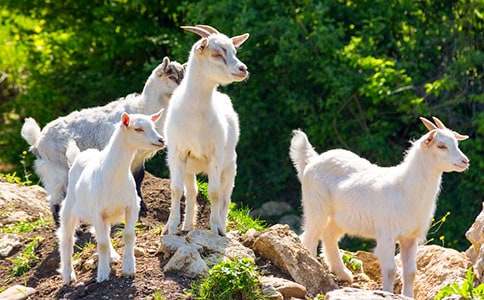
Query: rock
x,y
292,220
188,261
139,252
249,237
358,294
371,266
287,288
212,247
282,247
90,263
9,243
17,292
271,209
475,235
436,267
22,203
270,293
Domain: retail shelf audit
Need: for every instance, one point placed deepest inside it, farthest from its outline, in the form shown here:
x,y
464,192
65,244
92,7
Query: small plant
x,y
466,290
229,280
87,248
203,189
23,262
157,295
13,178
158,229
435,227
240,220
24,226
351,261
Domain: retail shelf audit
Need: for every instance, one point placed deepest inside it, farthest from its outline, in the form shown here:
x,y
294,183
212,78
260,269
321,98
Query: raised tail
x,y
30,131
71,152
301,151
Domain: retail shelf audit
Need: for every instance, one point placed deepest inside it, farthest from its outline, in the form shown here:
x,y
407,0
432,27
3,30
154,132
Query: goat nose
x,y
243,68
161,141
465,161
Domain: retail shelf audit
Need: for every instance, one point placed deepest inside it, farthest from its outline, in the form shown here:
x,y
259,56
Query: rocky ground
x,y
167,266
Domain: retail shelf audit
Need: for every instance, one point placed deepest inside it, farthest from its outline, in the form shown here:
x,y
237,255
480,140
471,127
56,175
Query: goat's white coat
x,y
102,191
92,128
343,193
202,131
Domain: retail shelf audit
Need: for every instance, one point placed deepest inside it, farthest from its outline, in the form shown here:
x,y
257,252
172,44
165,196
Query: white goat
x,y
92,128
202,128
102,191
344,193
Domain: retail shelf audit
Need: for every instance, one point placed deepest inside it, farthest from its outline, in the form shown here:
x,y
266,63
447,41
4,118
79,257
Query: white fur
x,y
343,193
102,191
202,131
92,128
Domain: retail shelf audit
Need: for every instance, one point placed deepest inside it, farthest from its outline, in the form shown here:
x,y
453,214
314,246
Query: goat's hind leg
x,y
66,247
315,220
330,238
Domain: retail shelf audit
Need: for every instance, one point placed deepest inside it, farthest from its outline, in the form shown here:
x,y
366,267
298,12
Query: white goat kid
x,y
92,128
202,128
344,193
102,191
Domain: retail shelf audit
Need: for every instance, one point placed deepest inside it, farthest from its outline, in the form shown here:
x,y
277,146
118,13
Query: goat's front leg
x,y
214,193
129,261
177,172
408,256
103,250
66,244
385,251
190,202
228,180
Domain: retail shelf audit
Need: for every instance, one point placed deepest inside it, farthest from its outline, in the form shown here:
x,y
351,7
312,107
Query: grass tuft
x,y
23,262
24,226
240,220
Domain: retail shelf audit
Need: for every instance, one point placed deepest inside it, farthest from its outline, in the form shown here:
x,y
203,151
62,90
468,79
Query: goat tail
x,y
71,152
30,131
301,151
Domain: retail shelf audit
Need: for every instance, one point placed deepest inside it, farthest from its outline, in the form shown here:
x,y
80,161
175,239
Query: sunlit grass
x,y
23,262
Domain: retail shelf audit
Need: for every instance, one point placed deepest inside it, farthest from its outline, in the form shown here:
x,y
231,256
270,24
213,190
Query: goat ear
x,y
156,116
430,137
202,45
239,39
460,137
125,119
429,125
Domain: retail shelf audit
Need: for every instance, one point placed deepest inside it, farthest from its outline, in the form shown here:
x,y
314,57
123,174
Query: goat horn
x,y
429,125
201,32
439,123
208,28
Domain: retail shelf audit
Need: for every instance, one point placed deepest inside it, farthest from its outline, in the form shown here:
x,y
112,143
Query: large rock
x,y
436,267
17,292
22,203
358,294
193,254
9,243
287,288
282,246
271,209
475,235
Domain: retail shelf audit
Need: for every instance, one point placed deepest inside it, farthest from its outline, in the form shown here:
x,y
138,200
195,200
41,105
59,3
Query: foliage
x,y
240,220
203,189
157,295
229,280
24,226
466,290
352,74
350,261
25,260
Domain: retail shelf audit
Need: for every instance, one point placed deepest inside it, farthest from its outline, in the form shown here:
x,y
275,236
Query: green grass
x,y
203,189
24,226
240,220
466,290
23,262
228,280
157,295
351,261
88,247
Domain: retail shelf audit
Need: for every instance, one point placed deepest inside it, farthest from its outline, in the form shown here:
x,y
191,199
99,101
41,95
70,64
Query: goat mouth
x,y
158,145
462,166
240,75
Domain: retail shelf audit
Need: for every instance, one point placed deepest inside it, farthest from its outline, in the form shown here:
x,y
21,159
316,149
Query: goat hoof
x,y
69,279
345,275
115,257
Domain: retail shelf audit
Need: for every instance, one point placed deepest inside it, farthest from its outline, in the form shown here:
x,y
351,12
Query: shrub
x,y
466,290
229,280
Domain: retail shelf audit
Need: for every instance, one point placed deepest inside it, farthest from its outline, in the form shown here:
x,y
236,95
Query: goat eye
x,y
139,130
443,147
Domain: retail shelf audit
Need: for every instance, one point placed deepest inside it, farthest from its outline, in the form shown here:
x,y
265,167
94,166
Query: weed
x,y
351,261
157,295
24,226
240,220
203,189
466,290
23,262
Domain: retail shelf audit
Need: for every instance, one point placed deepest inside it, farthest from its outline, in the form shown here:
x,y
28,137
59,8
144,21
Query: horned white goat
x,y
343,193
202,128
102,191
92,128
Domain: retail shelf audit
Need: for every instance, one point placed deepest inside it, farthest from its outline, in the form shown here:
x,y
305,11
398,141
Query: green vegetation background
x,y
352,74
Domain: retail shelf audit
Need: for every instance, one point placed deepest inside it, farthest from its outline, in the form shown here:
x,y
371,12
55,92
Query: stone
x,y
9,243
186,260
292,220
22,203
359,294
436,267
90,263
475,235
287,288
226,246
271,209
371,266
282,247
270,293
139,252
17,292
249,237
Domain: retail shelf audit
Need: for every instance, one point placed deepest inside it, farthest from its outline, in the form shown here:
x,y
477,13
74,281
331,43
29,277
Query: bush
x,y
230,280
